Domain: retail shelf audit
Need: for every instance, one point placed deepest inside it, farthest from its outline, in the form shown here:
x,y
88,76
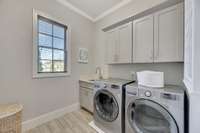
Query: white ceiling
x,y
94,9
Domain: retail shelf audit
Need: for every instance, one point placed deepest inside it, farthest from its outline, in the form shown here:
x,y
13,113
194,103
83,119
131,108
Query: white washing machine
x,y
108,105
151,110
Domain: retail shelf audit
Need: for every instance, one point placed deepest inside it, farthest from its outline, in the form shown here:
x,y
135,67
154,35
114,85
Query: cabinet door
x,y
90,97
111,56
169,35
86,98
83,98
143,40
124,45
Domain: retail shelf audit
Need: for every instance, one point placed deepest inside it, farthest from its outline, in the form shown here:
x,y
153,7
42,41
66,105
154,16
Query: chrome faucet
x,y
99,72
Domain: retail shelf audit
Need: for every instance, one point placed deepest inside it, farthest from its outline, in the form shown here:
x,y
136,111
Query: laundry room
x,y
99,66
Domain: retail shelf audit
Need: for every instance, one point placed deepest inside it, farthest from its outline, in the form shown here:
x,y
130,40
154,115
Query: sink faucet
x,y
99,72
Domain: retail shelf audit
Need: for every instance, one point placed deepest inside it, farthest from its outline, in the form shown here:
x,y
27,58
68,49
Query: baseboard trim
x,y
29,124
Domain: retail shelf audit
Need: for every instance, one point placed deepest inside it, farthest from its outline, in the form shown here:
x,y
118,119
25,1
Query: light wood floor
x,y
75,122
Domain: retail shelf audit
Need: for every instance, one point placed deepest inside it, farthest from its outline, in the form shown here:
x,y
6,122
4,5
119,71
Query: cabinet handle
x,y
152,55
115,58
157,52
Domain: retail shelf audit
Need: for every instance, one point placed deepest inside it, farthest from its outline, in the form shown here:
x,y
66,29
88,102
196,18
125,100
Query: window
x,y
51,47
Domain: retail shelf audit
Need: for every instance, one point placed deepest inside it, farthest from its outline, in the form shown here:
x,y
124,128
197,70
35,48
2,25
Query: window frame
x,y
67,50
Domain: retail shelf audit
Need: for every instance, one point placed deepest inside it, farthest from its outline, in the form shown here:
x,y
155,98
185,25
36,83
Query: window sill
x,y
50,75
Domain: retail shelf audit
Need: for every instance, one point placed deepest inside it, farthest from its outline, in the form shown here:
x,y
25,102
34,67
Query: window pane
x,y
58,66
58,55
58,31
45,53
45,27
45,40
58,43
45,66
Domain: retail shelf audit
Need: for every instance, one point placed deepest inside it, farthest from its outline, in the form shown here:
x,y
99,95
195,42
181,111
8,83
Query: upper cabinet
x,y
155,38
119,45
143,40
168,35
111,45
125,43
159,36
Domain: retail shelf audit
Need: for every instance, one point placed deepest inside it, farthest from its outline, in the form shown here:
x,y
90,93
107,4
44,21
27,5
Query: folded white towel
x,y
151,78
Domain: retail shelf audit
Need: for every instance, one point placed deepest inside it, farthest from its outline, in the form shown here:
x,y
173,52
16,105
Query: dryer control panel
x,y
168,96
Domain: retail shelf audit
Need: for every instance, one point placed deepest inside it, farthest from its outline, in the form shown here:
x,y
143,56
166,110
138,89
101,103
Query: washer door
x,y
106,106
146,116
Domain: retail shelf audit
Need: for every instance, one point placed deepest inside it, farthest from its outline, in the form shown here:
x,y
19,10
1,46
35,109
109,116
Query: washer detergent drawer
x,y
86,98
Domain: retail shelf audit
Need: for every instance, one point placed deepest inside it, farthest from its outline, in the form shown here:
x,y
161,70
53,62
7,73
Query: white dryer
x,y
108,105
151,110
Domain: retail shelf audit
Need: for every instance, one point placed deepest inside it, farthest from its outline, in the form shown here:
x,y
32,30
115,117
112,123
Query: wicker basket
x,y
10,118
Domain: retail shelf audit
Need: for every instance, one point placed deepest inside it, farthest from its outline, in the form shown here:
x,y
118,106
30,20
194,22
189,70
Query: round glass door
x,y
106,106
146,116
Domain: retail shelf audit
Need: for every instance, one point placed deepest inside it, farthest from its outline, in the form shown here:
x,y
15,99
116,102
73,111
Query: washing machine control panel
x,y
113,86
100,85
105,86
148,93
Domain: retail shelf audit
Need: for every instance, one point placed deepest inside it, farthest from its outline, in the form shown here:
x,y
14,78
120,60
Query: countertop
x,y
87,80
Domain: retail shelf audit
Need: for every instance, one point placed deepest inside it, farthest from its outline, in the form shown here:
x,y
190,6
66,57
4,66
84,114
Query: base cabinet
x,y
86,96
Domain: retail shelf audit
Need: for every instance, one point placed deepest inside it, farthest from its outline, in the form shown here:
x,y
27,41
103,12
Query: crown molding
x,y
114,8
84,14
75,9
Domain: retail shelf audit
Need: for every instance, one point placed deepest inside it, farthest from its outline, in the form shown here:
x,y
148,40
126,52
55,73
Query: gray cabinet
x,y
119,45
125,43
168,34
111,47
143,40
155,38
159,36
86,95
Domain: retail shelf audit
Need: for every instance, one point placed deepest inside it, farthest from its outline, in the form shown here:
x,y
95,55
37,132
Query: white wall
x,y
173,71
38,96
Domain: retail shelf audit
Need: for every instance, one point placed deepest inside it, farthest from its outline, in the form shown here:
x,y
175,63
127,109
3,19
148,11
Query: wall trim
x,y
113,9
29,124
69,5
102,15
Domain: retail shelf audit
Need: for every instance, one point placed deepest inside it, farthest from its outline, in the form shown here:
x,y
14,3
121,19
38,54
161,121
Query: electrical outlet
x,y
133,75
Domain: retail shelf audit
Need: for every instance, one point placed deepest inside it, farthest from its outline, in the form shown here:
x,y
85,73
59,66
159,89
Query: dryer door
x,y
146,116
106,106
